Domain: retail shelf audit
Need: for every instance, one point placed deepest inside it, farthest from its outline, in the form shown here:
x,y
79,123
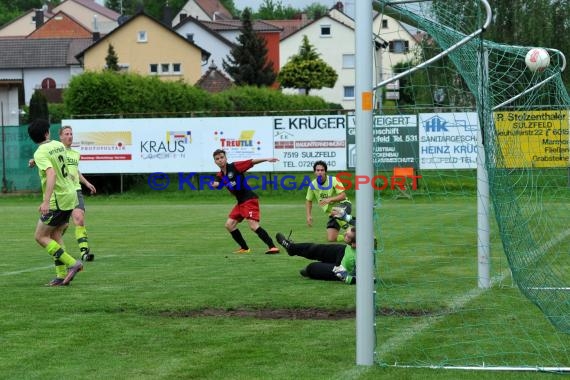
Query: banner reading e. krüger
x,y
299,141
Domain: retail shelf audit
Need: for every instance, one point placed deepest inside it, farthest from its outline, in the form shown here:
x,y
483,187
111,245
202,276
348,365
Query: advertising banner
x,y
448,140
533,138
169,145
299,141
395,141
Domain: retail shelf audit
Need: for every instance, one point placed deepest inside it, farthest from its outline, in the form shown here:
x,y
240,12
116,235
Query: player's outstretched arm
x,y
256,161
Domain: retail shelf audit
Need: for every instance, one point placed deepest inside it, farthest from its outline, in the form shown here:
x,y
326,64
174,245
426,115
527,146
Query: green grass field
x,y
166,299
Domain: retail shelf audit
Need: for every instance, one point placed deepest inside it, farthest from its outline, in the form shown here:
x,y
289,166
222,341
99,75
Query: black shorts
x,y
80,200
338,224
56,218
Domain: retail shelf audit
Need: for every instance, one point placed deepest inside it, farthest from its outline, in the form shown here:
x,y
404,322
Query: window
x,y
48,83
348,92
398,46
348,61
326,31
165,68
384,24
142,36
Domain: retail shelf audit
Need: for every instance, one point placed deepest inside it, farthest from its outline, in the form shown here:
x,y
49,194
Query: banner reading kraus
x,y
299,141
169,145
448,140
533,138
395,141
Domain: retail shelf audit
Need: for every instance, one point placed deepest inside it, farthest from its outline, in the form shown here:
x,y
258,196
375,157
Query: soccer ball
x,y
537,59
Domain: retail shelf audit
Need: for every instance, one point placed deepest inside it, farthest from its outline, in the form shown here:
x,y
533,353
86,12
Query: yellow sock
x,y
81,236
60,269
59,253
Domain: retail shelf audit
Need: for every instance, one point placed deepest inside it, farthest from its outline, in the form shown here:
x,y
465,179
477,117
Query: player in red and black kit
x,y
247,207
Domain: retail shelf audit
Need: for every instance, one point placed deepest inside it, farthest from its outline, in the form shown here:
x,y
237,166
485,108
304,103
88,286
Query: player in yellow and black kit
x,y
329,194
59,199
78,214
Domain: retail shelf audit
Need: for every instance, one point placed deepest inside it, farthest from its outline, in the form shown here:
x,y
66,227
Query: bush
x,y
57,112
38,106
108,93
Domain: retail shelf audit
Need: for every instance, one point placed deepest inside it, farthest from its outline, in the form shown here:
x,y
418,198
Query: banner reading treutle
x,y
533,138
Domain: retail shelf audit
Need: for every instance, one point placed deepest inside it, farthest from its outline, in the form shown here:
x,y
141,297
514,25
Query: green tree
x,y
7,14
112,60
154,8
38,106
542,23
315,11
306,70
247,62
274,10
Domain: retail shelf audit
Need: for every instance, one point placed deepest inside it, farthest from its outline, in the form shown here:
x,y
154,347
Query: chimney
x,y
39,18
339,6
96,33
167,15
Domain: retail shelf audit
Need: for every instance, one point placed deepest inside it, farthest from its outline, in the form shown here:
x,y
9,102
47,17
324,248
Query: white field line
x,y
35,269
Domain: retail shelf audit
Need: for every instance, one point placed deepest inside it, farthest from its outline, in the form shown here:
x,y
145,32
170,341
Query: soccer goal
x,y
474,264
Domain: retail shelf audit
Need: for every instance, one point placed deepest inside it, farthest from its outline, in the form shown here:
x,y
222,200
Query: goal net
x,y
474,260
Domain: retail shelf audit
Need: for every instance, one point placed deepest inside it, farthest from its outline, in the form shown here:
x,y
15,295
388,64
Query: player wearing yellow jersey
x,y
330,196
78,214
59,199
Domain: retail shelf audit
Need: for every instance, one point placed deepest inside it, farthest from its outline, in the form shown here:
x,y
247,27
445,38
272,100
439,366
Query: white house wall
x,y
218,49
331,50
394,31
87,17
20,27
33,79
191,9
230,35
9,105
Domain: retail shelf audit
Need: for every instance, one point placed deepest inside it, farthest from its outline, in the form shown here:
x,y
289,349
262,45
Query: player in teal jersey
x,y
78,214
59,199
333,262
329,193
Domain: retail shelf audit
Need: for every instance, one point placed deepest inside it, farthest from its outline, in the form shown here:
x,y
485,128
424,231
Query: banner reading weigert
x,y
532,138
169,145
299,141
394,139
